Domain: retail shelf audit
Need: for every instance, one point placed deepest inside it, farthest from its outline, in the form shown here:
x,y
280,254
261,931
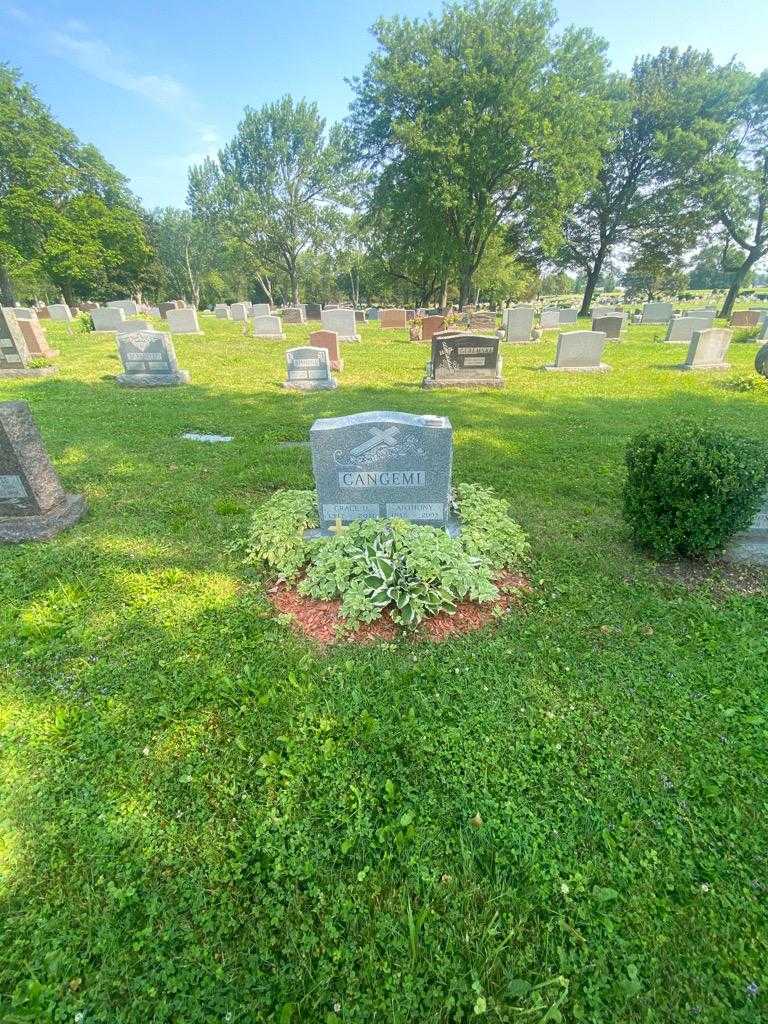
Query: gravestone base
x,y
750,547
153,380
40,371
703,366
451,527
311,385
19,529
430,384
602,368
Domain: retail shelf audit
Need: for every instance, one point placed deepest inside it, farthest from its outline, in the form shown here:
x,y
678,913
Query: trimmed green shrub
x,y
690,488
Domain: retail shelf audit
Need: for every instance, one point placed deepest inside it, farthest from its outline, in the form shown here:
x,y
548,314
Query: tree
x,y
65,213
735,186
715,267
665,119
495,119
654,273
185,249
279,181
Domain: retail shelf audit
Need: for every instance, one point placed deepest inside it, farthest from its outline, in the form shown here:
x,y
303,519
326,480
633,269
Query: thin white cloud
x,y
79,46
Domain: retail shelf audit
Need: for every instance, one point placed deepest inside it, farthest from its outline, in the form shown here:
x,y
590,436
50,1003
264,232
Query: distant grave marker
x,y
580,352
15,356
149,361
464,361
268,327
309,369
707,350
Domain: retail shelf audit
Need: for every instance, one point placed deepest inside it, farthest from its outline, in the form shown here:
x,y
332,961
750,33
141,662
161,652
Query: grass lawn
x,y
205,819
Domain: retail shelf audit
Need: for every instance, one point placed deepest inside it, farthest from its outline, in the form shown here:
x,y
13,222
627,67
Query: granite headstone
x,y
33,503
707,350
149,361
342,321
309,369
462,360
580,351
383,464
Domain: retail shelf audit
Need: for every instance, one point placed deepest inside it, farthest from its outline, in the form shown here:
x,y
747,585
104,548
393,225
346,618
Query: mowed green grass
x,y
206,819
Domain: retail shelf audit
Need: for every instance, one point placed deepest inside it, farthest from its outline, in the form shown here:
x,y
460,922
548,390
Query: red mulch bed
x,y
320,620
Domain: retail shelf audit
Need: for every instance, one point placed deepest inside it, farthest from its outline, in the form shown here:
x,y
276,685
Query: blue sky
x,y
157,86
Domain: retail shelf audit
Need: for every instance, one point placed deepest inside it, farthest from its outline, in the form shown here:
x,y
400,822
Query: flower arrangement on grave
x,y
377,567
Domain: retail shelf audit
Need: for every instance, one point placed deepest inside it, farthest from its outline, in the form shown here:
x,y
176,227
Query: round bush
x,y
690,488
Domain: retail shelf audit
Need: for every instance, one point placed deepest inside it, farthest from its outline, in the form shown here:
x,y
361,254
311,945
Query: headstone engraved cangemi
x,y
309,369
580,351
462,360
149,361
15,356
376,465
707,350
33,504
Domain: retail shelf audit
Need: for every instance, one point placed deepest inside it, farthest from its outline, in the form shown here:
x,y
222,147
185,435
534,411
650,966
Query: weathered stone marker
x,y
240,311
342,321
580,351
293,315
60,312
149,361
482,323
37,343
133,327
430,326
745,318
464,361
313,311
309,369
183,321
267,327
707,350
681,328
550,318
568,315
108,318
752,545
14,352
129,307
261,309
375,465
517,324
611,325
761,361
222,311
656,312
33,504
330,342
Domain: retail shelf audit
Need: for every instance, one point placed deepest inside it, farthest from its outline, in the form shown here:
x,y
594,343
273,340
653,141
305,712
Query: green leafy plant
x,y
746,382
276,534
487,529
39,363
690,488
411,571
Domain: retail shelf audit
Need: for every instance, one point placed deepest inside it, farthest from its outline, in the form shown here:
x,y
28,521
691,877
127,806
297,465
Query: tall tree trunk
x,y
593,276
7,298
444,295
738,280
465,284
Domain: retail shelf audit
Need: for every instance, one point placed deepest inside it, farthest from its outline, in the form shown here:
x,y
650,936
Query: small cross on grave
x,y
337,527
